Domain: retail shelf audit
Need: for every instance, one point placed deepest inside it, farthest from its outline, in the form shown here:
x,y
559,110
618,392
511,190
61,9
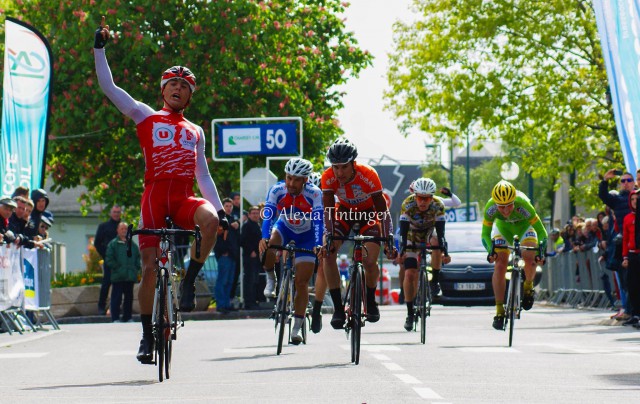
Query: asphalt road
x,y
559,356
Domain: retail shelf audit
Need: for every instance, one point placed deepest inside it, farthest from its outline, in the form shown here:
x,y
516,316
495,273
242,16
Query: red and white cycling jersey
x,y
173,147
168,142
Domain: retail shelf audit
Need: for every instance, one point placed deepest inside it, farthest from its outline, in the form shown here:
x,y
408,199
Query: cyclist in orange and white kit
x,y
320,287
360,200
173,150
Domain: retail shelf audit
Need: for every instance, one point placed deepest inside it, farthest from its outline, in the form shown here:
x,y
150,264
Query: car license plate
x,y
469,286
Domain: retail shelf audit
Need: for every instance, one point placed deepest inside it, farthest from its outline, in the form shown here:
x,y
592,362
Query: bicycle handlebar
x,y
163,232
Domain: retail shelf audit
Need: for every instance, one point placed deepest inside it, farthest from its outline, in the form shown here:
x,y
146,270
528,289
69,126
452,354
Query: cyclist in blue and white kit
x,y
293,211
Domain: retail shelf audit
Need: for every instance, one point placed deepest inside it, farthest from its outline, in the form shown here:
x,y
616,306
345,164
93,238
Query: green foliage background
x,y
251,58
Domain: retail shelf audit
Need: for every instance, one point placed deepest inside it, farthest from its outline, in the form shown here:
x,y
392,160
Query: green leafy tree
x,y
251,58
530,73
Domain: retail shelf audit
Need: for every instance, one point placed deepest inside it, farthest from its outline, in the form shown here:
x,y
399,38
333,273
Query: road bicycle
x,y
513,307
284,307
165,317
355,304
423,300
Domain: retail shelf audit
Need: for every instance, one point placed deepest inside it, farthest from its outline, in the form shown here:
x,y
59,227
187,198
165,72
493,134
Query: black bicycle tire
x,y
356,314
515,279
422,301
305,323
160,336
282,315
172,330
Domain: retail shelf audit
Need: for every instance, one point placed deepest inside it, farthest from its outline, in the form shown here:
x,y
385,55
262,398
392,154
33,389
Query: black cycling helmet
x,y
342,151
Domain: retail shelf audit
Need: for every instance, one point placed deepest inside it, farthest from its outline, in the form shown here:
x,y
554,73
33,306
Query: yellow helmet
x,y
503,193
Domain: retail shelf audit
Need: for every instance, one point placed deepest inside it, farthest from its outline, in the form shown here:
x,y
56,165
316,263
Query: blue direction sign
x,y
258,139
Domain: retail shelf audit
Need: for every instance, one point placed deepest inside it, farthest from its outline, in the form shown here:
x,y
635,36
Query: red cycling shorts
x,y
162,198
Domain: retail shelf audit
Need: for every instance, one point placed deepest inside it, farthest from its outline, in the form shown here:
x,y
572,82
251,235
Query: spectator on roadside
x,y
106,232
604,252
250,240
619,203
225,248
637,185
43,232
124,273
238,218
40,202
18,225
631,260
7,206
555,244
21,191
568,234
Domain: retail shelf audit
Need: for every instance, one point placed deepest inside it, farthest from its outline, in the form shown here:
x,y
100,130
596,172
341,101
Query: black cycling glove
x,y
445,191
100,41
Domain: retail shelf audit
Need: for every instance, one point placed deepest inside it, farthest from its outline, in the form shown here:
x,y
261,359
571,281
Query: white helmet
x,y
314,178
298,167
424,186
343,257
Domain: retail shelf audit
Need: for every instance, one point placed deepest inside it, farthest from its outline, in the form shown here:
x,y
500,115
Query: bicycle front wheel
x,y
161,323
282,316
423,302
512,302
356,315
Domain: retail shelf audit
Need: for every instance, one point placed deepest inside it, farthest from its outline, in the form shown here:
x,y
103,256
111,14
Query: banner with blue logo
x,y
25,106
618,24
30,276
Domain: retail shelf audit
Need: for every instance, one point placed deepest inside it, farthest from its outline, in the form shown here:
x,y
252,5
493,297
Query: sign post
x,y
277,138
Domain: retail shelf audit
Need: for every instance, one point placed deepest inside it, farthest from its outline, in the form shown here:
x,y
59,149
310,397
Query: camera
x,y
617,172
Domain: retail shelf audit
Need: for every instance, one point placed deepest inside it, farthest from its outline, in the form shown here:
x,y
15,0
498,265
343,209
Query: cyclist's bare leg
x,y
321,282
332,276
304,271
410,284
331,273
529,260
370,263
270,259
148,281
207,218
498,280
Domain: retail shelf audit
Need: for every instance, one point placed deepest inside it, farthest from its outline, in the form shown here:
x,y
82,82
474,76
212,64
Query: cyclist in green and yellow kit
x,y
513,215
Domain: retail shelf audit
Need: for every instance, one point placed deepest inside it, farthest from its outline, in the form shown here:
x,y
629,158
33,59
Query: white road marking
x,y
373,348
120,353
392,366
249,350
426,392
407,378
381,357
37,336
481,349
23,355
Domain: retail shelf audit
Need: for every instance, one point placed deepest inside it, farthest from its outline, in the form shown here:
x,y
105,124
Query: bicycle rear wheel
x,y
282,316
161,323
356,315
170,333
422,302
513,302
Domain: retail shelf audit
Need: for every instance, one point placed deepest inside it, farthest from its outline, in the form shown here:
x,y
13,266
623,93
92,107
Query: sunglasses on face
x,y
423,197
623,180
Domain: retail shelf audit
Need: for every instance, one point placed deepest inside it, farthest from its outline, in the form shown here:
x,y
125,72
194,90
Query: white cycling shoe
x,y
296,331
270,288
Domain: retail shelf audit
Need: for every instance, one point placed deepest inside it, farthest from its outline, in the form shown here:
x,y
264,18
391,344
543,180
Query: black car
x,y
467,278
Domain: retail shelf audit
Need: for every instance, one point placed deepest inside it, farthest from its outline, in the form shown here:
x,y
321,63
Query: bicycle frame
x,y
285,303
355,304
165,318
513,308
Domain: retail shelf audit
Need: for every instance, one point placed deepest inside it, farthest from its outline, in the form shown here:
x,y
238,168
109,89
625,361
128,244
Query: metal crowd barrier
x,y
575,280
